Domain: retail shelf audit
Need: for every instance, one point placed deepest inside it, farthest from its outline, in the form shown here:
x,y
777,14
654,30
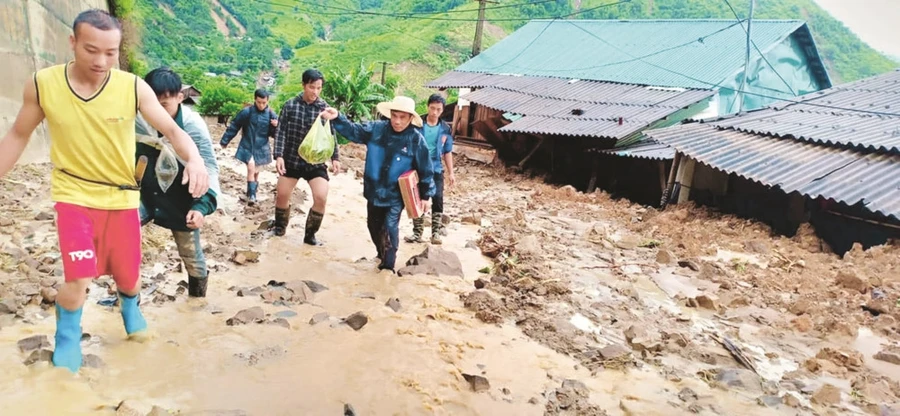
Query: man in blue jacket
x,y
439,140
173,207
392,148
256,124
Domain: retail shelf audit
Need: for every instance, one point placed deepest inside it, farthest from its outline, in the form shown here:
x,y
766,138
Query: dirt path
x,y
583,309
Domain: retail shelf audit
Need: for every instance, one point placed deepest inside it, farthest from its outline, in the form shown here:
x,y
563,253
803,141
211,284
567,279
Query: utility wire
x,y
786,84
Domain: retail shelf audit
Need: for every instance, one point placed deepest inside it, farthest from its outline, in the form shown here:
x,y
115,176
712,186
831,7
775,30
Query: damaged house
x,y
829,158
573,97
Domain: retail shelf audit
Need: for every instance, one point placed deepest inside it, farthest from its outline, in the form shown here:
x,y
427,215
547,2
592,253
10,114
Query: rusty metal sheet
x,y
845,175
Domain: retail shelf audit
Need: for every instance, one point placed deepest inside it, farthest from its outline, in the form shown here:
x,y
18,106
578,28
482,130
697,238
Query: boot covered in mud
x,y
67,352
251,192
313,222
131,314
282,219
418,230
437,228
197,286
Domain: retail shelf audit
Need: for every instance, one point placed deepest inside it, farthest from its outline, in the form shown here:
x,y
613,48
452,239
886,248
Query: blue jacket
x,y
255,129
388,155
438,153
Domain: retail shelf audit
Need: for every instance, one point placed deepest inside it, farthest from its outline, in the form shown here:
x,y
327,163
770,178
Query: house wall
x,y
790,63
35,35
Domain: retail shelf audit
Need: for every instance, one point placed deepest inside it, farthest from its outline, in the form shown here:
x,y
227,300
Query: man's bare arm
x,y
16,139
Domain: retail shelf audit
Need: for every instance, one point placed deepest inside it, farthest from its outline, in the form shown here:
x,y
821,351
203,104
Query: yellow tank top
x,y
92,139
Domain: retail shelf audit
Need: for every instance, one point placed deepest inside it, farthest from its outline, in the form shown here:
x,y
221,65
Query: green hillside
x,y
420,39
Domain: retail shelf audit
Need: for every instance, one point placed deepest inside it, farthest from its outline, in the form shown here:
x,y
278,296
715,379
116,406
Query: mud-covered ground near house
x,y
570,303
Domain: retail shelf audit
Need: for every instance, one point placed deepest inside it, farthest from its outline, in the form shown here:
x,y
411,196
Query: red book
x,y
409,188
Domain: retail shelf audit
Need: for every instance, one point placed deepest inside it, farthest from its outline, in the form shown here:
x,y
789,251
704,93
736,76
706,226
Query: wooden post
x,y
531,153
595,171
671,185
686,179
662,176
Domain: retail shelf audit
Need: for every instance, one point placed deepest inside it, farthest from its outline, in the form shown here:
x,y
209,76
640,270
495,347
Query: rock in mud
x,y
158,411
614,351
356,321
394,304
738,378
707,301
301,291
690,264
434,261
32,343
769,401
39,356
827,395
529,246
477,383
126,409
315,287
480,284
365,295
474,219
348,410
92,361
241,257
281,322
44,216
791,400
801,307
888,356
48,294
848,279
319,317
286,314
252,315
486,308
8,307
665,257
687,395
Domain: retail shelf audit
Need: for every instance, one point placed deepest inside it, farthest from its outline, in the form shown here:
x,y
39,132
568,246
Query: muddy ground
x,y
684,311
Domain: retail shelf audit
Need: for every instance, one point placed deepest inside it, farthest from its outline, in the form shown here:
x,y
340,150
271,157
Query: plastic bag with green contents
x,y
318,145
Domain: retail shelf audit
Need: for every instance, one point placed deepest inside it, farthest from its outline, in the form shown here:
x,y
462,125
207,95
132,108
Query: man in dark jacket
x,y
392,148
174,208
297,116
256,124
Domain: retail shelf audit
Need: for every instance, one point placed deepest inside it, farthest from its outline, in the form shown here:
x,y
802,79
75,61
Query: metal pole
x,y
747,60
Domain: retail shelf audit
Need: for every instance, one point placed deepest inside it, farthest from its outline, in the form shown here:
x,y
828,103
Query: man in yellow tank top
x,y
90,108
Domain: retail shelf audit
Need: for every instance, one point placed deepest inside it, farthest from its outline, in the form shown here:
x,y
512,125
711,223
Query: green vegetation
x,y
419,47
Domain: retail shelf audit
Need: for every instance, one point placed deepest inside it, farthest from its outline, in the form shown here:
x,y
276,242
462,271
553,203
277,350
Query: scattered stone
x,y
801,307
8,307
848,279
300,290
758,247
478,383
576,386
505,391
708,301
319,317
827,395
44,216
348,410
851,360
365,295
665,257
6,222
740,379
634,332
286,314
315,287
394,304
613,352
241,257
474,219
529,246
434,261
791,400
803,323
126,409
486,307
356,321
687,395
690,264
472,245
34,342
888,357
480,284
42,355
878,306
92,361
158,411
769,401
533,400
281,322
247,316
272,296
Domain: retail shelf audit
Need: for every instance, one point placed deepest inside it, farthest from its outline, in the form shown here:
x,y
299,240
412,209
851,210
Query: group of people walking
x,y
125,153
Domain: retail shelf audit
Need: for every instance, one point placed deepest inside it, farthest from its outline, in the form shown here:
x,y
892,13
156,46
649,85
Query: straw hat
x,y
400,103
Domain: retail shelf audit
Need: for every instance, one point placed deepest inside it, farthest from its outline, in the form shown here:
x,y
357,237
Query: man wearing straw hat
x,y
392,148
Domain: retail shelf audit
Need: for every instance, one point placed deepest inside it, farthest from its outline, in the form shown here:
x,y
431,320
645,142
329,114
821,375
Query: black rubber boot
x,y
282,220
313,222
197,286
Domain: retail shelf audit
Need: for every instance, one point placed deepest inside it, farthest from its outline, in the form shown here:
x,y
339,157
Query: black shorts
x,y
308,172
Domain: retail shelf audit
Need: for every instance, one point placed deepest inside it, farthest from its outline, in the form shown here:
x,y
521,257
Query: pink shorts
x,y
96,242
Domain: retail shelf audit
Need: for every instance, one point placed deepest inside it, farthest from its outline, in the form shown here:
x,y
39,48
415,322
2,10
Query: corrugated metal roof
x,y
829,116
606,50
572,127
843,175
648,149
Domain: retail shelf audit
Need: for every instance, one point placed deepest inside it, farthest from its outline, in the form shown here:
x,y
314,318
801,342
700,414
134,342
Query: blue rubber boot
x,y
67,352
131,314
251,192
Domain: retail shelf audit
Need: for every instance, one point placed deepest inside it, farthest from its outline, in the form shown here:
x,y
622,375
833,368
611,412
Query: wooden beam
x,y
595,171
531,153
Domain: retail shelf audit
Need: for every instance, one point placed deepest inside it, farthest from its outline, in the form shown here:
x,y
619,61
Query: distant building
x,y
191,95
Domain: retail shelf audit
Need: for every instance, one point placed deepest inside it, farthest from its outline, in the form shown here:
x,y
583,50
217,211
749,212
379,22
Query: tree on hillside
x,y
220,99
355,93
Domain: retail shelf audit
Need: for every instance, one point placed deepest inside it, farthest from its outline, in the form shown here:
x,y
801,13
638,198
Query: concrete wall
x,y
35,35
